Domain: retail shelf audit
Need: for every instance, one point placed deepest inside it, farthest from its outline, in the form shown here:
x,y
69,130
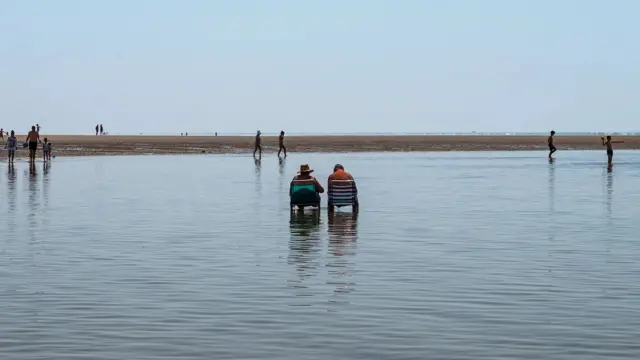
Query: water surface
x,y
453,256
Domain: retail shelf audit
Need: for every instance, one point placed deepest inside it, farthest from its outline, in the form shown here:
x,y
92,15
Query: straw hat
x,y
304,168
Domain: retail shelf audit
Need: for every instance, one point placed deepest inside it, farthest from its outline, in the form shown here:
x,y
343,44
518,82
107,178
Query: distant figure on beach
x,y
258,144
101,130
12,146
281,144
97,129
1,133
32,139
216,134
552,147
38,128
609,145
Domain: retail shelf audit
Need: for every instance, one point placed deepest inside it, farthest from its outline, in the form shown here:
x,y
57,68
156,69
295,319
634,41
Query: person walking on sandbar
x,y
281,144
258,145
552,147
97,129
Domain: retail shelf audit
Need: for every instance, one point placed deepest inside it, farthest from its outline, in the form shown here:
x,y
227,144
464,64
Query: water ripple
x,y
452,256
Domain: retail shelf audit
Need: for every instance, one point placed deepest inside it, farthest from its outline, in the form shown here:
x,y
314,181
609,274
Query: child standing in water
x,y
552,147
12,145
608,144
46,150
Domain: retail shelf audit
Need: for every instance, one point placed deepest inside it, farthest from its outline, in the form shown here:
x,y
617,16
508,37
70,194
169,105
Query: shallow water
x,y
453,256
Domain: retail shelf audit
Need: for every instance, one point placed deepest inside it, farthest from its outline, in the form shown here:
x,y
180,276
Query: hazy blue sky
x,y
320,66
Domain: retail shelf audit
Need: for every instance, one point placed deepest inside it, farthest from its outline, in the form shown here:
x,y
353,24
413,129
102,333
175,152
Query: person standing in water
x,y
552,147
45,149
12,146
33,139
281,144
258,145
608,144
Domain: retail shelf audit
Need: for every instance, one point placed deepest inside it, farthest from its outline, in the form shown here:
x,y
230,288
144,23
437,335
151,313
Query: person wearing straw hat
x,y
300,192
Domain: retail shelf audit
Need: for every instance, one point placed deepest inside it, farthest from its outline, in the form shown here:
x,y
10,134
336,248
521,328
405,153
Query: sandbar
x,y
86,145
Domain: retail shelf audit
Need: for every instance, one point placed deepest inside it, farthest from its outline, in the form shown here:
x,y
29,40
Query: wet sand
x,y
83,145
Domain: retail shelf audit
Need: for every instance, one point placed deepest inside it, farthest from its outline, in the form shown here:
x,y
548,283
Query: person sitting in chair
x,y
305,189
347,191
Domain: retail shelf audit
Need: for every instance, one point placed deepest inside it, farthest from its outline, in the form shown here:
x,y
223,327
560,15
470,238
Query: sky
x,y
236,66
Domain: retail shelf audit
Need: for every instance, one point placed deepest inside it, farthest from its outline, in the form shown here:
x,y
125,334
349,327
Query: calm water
x,y
453,256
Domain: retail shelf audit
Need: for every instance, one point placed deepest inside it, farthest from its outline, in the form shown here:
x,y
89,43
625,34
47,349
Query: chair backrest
x,y
303,192
342,192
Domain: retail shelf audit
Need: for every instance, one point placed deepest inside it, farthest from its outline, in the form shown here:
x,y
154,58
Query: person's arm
x,y
603,143
318,186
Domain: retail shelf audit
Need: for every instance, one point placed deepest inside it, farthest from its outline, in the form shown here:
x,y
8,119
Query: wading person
x,y
552,147
608,143
258,145
12,146
32,139
281,144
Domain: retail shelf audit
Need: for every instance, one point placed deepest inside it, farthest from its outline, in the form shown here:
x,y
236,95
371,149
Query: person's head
x,y
281,132
13,133
338,167
258,133
45,139
305,169
553,132
608,137
33,128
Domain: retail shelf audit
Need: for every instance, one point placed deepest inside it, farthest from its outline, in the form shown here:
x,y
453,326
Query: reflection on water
x,y
32,202
552,183
45,190
609,191
258,170
11,200
304,248
343,236
281,171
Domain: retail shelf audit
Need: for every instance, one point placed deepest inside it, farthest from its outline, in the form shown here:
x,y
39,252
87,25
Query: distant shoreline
x,y
88,145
